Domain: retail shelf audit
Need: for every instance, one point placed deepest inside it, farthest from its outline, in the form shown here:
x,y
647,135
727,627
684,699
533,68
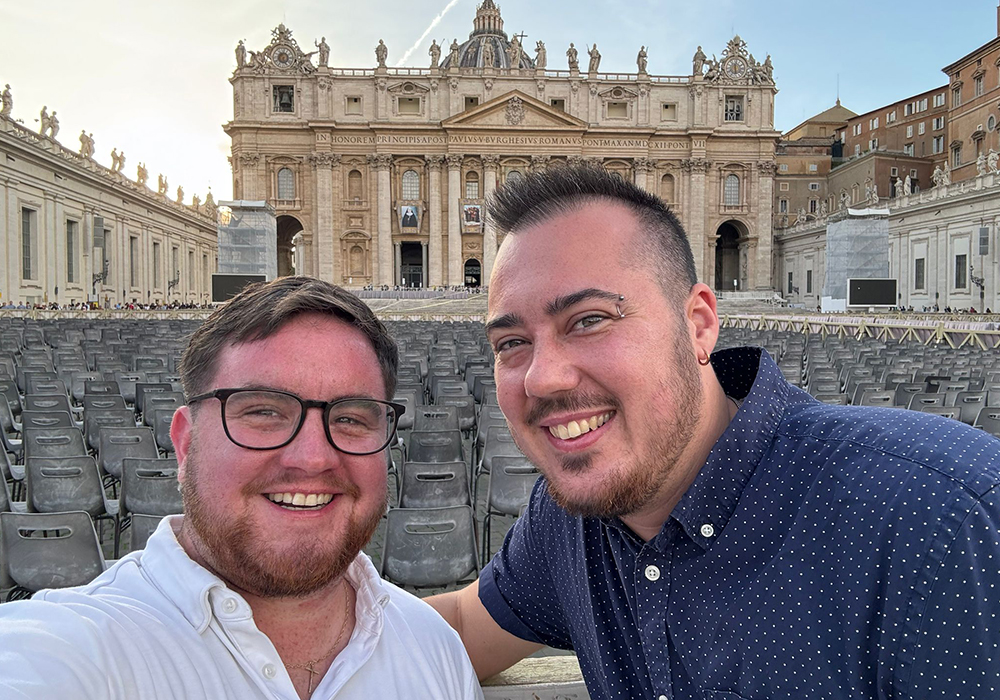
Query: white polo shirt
x,y
158,626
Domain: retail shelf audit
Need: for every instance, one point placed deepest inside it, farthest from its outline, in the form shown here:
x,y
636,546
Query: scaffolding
x,y
248,239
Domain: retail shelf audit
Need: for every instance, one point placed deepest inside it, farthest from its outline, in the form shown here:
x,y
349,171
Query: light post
x,y
981,283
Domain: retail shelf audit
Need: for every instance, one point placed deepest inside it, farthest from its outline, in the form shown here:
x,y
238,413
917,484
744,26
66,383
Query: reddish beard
x,y
233,546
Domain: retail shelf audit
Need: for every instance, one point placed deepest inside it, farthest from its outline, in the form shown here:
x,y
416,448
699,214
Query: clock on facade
x,y
282,56
735,67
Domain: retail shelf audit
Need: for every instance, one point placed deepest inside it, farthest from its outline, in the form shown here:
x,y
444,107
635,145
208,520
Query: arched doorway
x,y
727,258
473,273
411,264
288,226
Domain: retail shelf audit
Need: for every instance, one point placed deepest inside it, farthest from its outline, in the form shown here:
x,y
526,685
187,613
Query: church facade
x,y
379,175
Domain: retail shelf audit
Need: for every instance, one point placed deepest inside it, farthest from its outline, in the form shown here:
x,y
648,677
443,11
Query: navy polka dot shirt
x,y
822,552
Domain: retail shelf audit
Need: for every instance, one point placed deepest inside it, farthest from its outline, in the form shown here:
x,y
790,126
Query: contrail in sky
x,y
430,27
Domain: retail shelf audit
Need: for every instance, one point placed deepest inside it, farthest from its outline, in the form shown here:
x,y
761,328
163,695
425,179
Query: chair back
x,y
115,444
150,486
435,446
95,420
142,526
511,482
50,550
434,484
59,484
429,546
53,442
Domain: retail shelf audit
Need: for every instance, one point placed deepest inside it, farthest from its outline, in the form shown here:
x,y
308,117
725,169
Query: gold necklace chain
x,y
310,666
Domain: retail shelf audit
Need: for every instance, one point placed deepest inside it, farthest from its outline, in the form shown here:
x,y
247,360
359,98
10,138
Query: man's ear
x,y
703,318
181,432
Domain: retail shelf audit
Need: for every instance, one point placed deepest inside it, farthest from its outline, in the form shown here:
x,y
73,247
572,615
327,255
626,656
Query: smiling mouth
x,y
300,501
576,428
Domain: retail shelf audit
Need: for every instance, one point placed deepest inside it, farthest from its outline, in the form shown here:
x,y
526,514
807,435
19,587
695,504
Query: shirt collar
x,y
192,588
751,375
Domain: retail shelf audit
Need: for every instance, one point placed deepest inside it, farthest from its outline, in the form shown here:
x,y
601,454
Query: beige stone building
x,y
378,175
73,230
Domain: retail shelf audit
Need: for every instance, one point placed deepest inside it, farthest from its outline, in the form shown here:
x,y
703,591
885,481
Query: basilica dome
x,y
488,29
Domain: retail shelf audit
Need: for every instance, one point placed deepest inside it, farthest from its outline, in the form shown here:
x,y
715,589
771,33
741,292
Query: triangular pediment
x,y
514,110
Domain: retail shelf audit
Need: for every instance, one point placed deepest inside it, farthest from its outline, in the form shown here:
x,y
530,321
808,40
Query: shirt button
x,y
653,572
663,697
707,530
229,605
269,671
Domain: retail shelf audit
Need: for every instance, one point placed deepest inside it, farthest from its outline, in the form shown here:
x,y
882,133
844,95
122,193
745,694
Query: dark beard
x,y
232,547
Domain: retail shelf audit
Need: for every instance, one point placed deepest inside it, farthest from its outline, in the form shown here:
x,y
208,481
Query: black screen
x,y
871,292
226,286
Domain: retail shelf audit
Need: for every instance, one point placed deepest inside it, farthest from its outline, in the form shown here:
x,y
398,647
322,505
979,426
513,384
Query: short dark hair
x,y
539,196
261,309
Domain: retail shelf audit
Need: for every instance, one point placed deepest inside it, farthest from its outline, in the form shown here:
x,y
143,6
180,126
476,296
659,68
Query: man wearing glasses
x,y
260,589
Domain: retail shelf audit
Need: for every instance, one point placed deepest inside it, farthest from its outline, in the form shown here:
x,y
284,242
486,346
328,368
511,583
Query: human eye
x,y
253,406
589,320
505,345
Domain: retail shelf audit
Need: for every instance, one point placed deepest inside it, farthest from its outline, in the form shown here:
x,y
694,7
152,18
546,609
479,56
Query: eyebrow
x,y
554,307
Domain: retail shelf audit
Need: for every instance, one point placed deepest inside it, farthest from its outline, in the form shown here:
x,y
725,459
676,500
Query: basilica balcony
x,y
287,204
355,204
734,209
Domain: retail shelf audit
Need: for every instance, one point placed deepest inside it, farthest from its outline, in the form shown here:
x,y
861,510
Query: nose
x,y
552,370
310,449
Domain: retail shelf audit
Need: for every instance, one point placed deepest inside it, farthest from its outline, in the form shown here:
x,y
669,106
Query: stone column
x,y
8,236
323,208
423,268
432,267
251,180
382,163
454,218
50,251
490,165
698,167
398,263
761,262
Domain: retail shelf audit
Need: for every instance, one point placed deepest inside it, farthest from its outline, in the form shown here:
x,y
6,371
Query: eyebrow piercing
x,y
621,297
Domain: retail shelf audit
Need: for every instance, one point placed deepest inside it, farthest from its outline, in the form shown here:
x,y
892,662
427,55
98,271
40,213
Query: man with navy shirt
x,y
702,528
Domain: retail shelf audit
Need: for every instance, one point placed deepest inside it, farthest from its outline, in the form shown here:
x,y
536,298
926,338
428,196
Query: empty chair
x,y
78,384
906,390
952,412
498,442
159,401
48,402
509,490
149,486
429,546
970,403
116,443
101,387
989,420
878,397
53,442
126,384
435,418
831,398
920,401
434,484
49,550
465,407
142,526
435,446
161,430
9,390
59,484
103,402
95,420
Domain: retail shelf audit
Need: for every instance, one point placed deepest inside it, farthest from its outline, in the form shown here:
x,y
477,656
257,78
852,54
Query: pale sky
x,y
152,79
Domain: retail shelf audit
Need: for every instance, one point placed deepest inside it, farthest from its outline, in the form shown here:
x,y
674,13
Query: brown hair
x,y
261,309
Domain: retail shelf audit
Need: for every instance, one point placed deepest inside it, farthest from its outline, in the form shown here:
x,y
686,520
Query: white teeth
x,y
575,428
302,500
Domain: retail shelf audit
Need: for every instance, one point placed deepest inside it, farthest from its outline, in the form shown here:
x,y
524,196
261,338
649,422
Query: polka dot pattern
x,y
849,553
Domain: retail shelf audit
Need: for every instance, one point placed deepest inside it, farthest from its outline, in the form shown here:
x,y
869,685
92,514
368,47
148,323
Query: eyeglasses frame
x,y
223,395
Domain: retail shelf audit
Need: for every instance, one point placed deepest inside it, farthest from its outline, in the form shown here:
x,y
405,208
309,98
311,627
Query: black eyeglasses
x,y
267,419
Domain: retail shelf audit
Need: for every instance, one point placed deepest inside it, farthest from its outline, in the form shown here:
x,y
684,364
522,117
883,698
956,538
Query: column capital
x,y
434,162
380,161
539,163
249,158
643,165
766,167
324,160
454,160
491,162
696,165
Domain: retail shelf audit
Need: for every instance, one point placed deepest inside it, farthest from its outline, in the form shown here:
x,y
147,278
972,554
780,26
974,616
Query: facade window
x,y
205,275
809,281
286,184
558,103
890,117
667,188
991,123
734,109
783,167
175,260
411,185
514,176
789,282
191,277
813,167
814,187
857,149
857,129
284,98
939,100
782,206
937,146
27,242
813,206
156,265
408,105
617,110
922,105
956,97
873,123
354,186
72,238
909,131
938,123
921,128
873,144
668,112
133,261
783,187
353,106
893,172
919,270
908,149
471,102
472,185
907,109
731,192
956,157
977,85
961,271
